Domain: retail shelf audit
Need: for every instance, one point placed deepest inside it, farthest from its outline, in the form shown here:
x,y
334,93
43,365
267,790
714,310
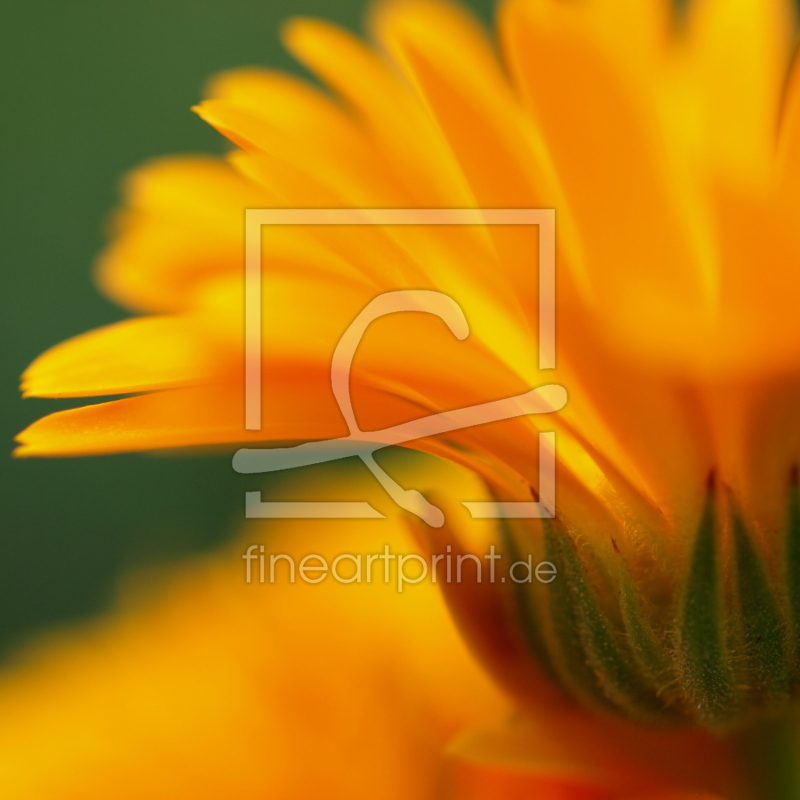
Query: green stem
x,y
770,753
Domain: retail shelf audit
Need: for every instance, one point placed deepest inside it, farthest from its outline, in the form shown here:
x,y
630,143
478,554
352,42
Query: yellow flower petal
x,y
739,50
136,355
788,158
622,185
410,143
184,222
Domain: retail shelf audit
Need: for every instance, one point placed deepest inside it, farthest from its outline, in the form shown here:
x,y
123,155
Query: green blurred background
x,y
92,88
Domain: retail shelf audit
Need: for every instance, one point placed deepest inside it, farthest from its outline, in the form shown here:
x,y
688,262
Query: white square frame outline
x,y
255,218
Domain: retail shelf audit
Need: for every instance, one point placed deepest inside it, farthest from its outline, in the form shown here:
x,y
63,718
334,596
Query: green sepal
x,y
762,628
587,637
793,572
526,604
651,656
703,655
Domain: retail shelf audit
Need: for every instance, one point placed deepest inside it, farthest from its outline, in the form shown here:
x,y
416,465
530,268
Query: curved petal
x,y
346,165
788,156
213,689
451,65
379,98
183,222
643,237
135,355
739,51
567,755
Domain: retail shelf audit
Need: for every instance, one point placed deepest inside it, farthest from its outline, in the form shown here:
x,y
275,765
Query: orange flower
x,y
673,346
670,149
214,688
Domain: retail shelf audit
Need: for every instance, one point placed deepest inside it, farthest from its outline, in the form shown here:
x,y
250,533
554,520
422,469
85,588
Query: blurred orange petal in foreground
x,y
211,687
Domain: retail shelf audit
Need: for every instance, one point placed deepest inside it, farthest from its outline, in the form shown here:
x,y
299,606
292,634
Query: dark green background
x,y
91,89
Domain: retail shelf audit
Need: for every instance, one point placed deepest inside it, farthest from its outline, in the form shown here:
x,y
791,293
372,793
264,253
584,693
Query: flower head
x,y
670,148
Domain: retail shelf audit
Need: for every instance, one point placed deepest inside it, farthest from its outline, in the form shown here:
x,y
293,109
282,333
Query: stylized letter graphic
x,y
542,400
